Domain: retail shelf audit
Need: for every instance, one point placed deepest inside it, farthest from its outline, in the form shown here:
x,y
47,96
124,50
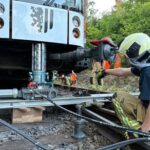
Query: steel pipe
x,y
9,93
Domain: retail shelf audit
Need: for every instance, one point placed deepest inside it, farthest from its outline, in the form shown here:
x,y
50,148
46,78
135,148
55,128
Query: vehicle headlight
x,y
76,32
76,21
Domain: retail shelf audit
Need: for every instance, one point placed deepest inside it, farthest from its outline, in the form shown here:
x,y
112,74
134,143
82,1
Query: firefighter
x,y
97,66
134,112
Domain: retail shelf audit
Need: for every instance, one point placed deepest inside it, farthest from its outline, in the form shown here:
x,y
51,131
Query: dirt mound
x,y
109,83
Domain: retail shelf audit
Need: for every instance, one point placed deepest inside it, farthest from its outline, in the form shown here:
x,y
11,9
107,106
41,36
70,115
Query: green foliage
x,y
132,17
92,33
92,11
138,1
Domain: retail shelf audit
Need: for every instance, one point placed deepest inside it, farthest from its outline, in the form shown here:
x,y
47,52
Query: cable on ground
x,y
93,120
33,141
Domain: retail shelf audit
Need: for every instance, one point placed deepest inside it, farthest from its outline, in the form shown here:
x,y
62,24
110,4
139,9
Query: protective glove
x,y
99,75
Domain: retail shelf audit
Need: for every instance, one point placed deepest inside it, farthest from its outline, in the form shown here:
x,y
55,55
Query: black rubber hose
x,y
36,143
93,120
124,143
75,55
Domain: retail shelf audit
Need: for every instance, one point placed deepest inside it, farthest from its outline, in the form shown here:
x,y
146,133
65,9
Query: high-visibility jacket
x,y
73,76
106,64
118,61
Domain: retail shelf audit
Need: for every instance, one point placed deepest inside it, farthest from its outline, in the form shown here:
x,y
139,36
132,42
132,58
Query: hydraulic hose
x,y
93,120
124,143
73,56
36,143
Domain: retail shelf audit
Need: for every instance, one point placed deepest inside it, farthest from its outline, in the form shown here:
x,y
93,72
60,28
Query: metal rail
x,y
19,103
144,145
97,116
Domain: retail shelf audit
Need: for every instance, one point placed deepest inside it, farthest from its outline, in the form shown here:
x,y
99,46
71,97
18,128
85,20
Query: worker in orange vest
x,y
117,62
73,78
106,64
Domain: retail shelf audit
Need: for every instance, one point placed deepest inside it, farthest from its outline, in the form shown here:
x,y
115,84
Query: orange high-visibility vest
x,y
73,77
118,61
106,64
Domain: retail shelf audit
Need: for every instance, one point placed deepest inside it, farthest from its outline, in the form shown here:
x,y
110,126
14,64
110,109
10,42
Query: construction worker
x,y
65,80
70,79
134,112
117,63
73,78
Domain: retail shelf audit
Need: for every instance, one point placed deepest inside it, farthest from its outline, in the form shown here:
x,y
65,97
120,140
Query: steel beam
x,y
19,103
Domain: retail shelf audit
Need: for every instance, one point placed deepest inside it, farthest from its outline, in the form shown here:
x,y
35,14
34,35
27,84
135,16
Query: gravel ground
x,y
55,131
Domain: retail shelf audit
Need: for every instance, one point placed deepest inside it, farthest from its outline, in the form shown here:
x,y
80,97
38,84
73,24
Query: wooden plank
x,y
24,109
26,115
